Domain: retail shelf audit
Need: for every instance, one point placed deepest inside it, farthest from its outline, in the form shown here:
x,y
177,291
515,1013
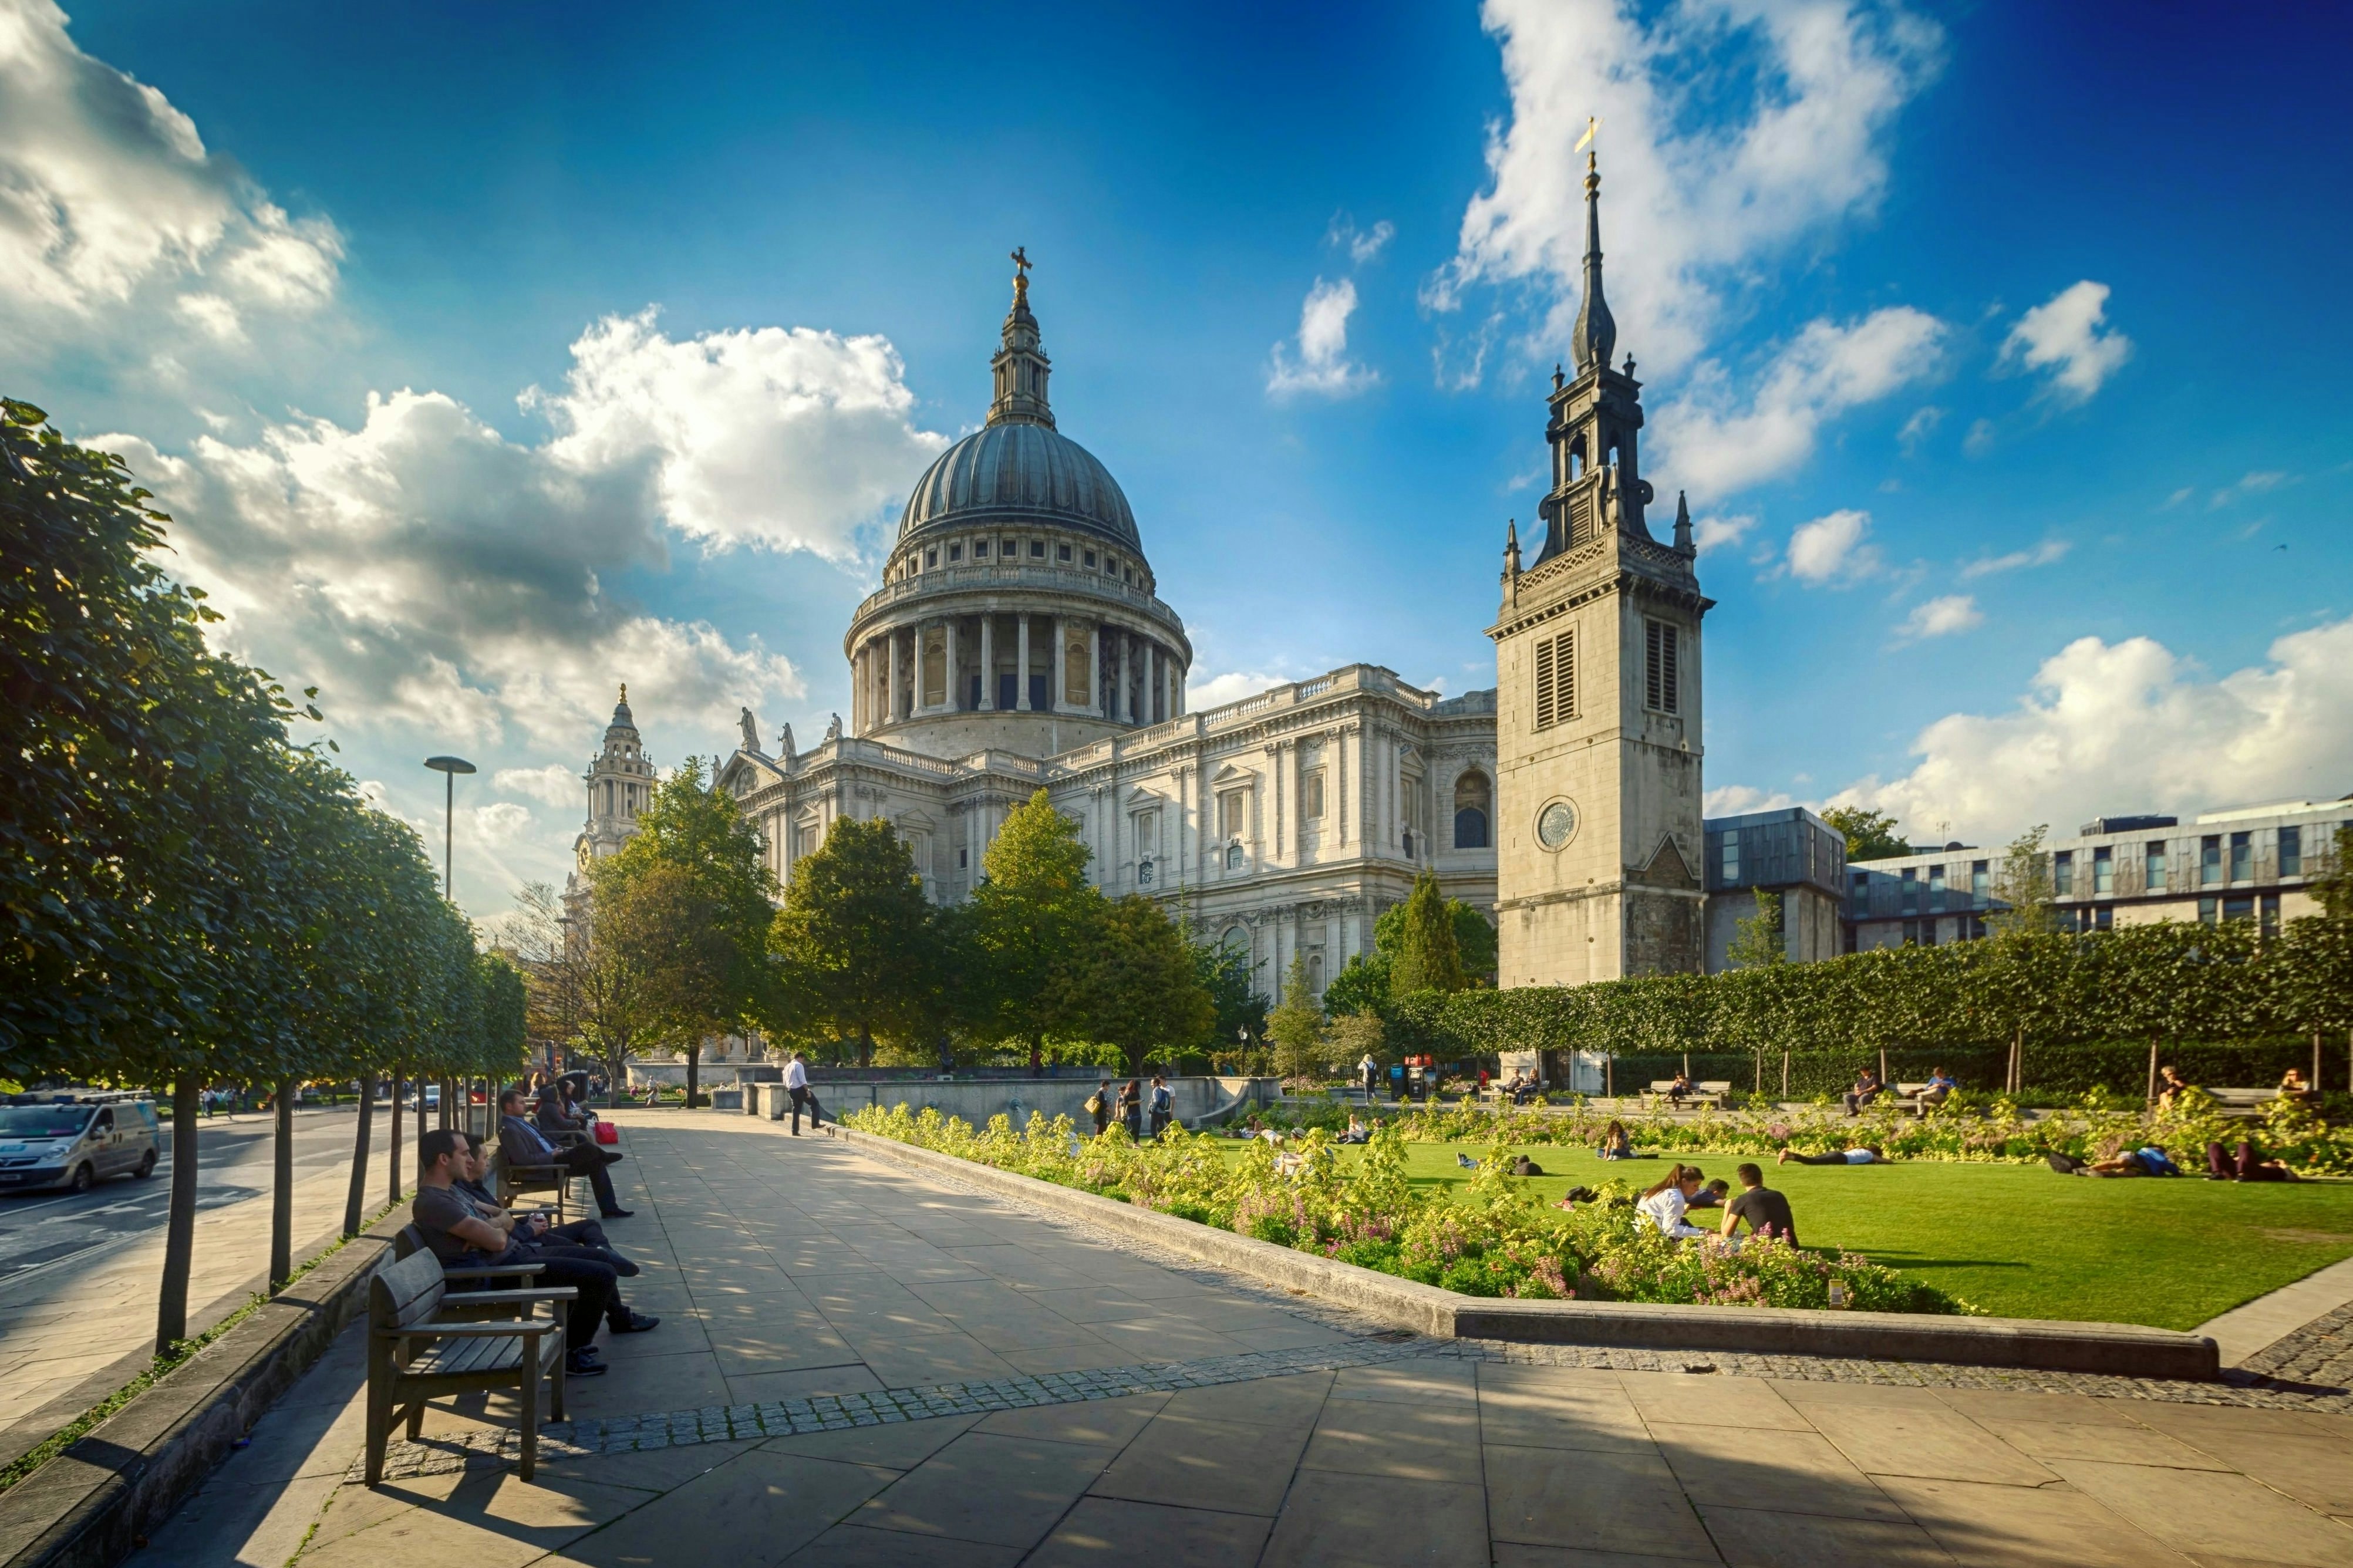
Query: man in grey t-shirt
x,y
1766,1211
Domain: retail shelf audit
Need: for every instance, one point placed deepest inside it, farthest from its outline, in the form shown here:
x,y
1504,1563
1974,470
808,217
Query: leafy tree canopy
x,y
1870,835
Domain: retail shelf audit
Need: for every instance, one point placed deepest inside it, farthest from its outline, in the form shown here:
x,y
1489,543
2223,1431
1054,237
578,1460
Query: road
x,y
78,1272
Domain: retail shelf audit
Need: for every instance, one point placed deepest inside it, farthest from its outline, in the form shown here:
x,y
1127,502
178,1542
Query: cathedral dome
x,y
1020,472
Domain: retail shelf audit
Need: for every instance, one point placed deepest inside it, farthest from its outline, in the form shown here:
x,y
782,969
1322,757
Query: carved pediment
x,y
1231,776
1667,868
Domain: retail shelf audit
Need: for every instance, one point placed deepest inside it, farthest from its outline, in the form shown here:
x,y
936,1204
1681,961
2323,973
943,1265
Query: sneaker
x,y
583,1364
638,1323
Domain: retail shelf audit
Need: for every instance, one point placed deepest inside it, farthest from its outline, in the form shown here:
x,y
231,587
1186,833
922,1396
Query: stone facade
x,y
1597,681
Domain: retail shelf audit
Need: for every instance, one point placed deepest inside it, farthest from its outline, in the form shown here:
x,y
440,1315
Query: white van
x,y
76,1144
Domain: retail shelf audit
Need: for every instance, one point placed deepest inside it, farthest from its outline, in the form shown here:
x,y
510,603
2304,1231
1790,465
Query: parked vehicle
x,y
73,1143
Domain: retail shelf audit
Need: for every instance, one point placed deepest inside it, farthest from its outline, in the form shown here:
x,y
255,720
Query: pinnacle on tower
x,y
1595,335
1684,526
1021,366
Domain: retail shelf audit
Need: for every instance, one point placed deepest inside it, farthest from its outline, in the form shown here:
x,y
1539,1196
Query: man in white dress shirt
x,y
797,1085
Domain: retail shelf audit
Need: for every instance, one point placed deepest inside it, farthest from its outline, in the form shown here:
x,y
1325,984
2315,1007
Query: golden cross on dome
x,y
1020,273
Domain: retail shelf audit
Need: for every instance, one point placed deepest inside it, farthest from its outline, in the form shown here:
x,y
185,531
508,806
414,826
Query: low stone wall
x,y
93,1505
2120,1349
978,1100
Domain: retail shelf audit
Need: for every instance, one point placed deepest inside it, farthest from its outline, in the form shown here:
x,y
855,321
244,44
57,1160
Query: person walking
x,y
1164,1106
1370,1072
796,1087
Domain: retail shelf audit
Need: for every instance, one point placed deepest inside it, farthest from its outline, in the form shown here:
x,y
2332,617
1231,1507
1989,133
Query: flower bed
x,y
1492,1237
1967,1127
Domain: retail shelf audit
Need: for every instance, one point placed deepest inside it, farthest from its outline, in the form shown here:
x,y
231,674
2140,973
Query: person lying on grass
x,y
1766,1210
1666,1205
2150,1160
1867,1154
2247,1166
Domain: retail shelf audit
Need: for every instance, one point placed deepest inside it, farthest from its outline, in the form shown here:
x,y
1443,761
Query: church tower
x,y
1598,698
620,785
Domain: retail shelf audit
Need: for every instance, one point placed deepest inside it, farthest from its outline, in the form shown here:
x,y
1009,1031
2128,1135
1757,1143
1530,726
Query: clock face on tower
x,y
1555,824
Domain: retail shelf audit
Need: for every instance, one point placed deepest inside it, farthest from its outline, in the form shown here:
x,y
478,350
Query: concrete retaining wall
x,y
978,1100
2122,1348
92,1505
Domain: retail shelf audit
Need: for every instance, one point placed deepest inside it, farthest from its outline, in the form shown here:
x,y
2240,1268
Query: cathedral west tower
x,y
1598,702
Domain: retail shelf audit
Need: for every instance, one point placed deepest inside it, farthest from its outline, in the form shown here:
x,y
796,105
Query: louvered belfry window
x,y
1556,679
1661,683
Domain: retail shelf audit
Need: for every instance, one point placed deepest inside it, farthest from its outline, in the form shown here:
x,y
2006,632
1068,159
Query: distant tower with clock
x,y
1598,695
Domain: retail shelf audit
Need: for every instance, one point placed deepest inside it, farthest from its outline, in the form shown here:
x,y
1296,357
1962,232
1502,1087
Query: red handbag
x,y
608,1133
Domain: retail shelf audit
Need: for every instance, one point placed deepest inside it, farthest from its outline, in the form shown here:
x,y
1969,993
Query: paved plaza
x,y
857,1366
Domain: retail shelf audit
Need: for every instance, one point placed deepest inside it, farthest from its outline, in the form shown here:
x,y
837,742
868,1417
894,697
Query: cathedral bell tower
x,y
1598,694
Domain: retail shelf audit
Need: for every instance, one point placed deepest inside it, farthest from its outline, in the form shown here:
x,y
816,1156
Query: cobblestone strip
x,y
832,1413
2278,1390
2320,1353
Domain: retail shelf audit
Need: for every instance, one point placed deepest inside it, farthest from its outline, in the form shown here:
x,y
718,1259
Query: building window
x,y
1556,679
2291,851
2239,908
1732,856
1233,808
1233,856
2207,910
1661,678
1929,933
1091,558
1936,887
2062,873
963,859
1037,550
2242,856
2103,917
1008,550
980,550
2104,871
1408,843
1861,894
1472,796
1981,879
956,552
2271,914
1310,795
1144,873
1911,889
1110,564
2210,859
1977,928
2155,854
1911,933
932,557
1062,553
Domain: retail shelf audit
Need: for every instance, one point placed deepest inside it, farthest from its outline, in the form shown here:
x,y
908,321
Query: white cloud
x,y
1942,617
2251,484
1979,440
2063,335
787,437
1919,428
1730,130
1832,548
554,784
1216,690
2131,726
1361,244
1718,444
1322,365
116,222
2043,555
1710,532
1732,800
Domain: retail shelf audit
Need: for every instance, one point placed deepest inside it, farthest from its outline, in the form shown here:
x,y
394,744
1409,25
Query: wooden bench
x,y
2242,1101
1910,1096
458,1305
417,1352
515,1178
1715,1092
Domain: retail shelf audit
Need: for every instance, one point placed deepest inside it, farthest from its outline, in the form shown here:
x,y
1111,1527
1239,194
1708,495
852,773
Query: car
x,y
75,1144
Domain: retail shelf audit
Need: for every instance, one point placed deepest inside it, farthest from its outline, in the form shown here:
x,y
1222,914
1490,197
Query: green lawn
x,y
2024,1241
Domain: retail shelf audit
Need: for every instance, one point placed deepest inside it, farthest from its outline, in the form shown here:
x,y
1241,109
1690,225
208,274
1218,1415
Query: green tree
x,y
1224,972
1297,1025
2025,905
1428,956
1144,992
1362,986
1356,1035
1024,939
856,942
692,901
1758,939
1870,835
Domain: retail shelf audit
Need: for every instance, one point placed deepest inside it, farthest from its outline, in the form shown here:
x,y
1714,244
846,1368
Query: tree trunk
x,y
420,1113
356,1197
281,1191
1785,1075
392,1142
865,1047
693,1075
180,1226
2152,1070
2316,1061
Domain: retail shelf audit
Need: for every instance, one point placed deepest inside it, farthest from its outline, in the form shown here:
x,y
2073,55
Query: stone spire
x,y
1683,526
1595,333
1020,364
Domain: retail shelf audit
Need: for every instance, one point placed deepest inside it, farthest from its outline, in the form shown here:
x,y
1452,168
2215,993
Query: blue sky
x,y
2001,348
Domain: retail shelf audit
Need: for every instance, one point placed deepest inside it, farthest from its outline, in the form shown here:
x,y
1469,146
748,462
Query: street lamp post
x,y
448,768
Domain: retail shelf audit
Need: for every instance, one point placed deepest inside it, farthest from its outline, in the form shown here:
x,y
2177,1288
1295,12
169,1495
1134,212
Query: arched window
x,y
1473,796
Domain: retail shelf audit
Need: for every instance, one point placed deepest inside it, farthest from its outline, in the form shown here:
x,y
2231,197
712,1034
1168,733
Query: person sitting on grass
x,y
2246,1165
1616,1144
1712,1196
1666,1205
1864,1154
1766,1210
1358,1131
1523,1166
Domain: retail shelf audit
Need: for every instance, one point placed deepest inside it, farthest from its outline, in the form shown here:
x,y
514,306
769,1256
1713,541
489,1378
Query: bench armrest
x,y
498,1272
505,1329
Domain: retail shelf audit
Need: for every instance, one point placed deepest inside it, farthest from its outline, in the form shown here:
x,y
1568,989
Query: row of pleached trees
x,y
187,895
